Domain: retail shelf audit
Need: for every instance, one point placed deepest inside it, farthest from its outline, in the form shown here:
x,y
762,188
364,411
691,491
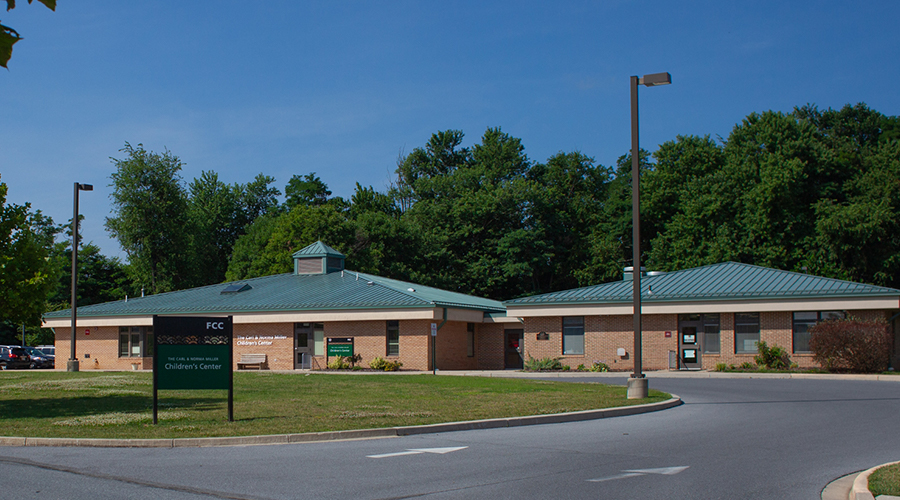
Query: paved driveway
x,y
733,438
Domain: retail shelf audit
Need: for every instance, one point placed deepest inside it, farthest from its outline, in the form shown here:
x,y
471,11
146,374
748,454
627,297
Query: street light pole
x,y
72,365
638,386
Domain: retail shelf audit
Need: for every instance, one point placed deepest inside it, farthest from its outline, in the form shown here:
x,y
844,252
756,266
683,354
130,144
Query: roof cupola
x,y
318,258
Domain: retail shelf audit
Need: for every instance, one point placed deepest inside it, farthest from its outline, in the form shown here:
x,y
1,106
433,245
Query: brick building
x,y
695,318
290,317
692,319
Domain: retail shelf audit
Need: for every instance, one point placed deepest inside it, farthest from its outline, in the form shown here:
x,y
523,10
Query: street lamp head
x,y
656,79
86,187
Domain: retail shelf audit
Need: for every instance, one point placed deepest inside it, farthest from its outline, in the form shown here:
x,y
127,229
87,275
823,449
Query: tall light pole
x,y
637,383
72,365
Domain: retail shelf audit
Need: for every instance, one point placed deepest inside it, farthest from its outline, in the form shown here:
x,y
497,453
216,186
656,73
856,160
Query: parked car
x,y
47,349
14,357
39,359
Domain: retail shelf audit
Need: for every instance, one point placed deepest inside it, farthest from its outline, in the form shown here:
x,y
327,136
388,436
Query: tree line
x,y
813,191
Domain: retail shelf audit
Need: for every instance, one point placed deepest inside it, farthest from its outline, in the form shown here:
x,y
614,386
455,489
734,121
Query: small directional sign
x,y
419,451
666,471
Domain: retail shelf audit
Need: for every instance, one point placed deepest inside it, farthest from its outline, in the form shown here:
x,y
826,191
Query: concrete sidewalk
x,y
666,374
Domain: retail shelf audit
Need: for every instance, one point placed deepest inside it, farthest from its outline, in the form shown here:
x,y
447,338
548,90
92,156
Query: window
x,y
711,344
318,339
393,338
746,332
135,341
804,320
470,340
573,335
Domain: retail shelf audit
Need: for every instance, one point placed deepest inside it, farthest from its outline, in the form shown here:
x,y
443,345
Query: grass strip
x,y
885,481
118,405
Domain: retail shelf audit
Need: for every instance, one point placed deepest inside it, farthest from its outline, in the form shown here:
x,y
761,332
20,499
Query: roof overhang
x,y
722,306
436,313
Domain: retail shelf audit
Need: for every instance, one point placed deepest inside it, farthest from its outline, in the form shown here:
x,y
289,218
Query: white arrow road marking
x,y
440,451
398,454
419,451
617,476
668,471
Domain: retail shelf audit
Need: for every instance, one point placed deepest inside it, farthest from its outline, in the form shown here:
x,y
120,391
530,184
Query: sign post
x,y
193,353
434,348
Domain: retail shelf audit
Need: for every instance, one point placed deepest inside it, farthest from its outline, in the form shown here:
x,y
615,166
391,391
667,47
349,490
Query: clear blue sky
x,y
342,88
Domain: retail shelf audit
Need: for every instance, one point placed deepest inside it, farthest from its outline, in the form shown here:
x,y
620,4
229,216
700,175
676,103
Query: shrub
x,y
581,368
543,365
382,364
851,344
599,366
339,363
746,365
720,367
773,358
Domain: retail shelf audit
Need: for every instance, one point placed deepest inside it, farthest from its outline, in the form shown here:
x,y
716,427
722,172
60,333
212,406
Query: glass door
x,y
689,342
302,334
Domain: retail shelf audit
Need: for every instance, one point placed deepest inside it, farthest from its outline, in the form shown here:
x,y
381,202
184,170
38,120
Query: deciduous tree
x,y
150,218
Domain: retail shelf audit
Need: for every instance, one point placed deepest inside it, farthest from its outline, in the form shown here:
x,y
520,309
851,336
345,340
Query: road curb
x,y
311,437
860,489
674,374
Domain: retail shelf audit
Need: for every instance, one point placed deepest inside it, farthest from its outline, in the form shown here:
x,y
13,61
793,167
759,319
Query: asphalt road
x,y
732,439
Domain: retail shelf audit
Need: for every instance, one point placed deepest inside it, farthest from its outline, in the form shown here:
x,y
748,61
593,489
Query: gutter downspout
x,y
434,345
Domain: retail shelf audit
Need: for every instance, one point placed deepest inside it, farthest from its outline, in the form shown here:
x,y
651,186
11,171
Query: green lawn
x,y
885,481
119,404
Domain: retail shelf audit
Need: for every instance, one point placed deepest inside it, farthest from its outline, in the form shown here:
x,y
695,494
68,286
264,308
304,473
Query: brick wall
x,y
275,340
775,328
603,336
98,350
490,346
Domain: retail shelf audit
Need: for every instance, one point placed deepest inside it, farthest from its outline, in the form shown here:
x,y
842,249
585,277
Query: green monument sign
x,y
192,353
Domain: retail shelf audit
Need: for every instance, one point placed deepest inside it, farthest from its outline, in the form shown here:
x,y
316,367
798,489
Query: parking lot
x,y
14,357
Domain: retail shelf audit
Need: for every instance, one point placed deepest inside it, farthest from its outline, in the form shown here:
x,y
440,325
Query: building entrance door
x,y
698,335
514,346
303,333
689,342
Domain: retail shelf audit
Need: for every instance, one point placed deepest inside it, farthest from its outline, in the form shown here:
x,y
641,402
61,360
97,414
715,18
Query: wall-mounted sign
x,y
340,350
434,329
668,335
192,353
342,346
543,336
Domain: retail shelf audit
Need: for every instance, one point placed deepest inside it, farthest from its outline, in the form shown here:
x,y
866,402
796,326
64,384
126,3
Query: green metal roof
x,y
318,249
716,282
343,290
